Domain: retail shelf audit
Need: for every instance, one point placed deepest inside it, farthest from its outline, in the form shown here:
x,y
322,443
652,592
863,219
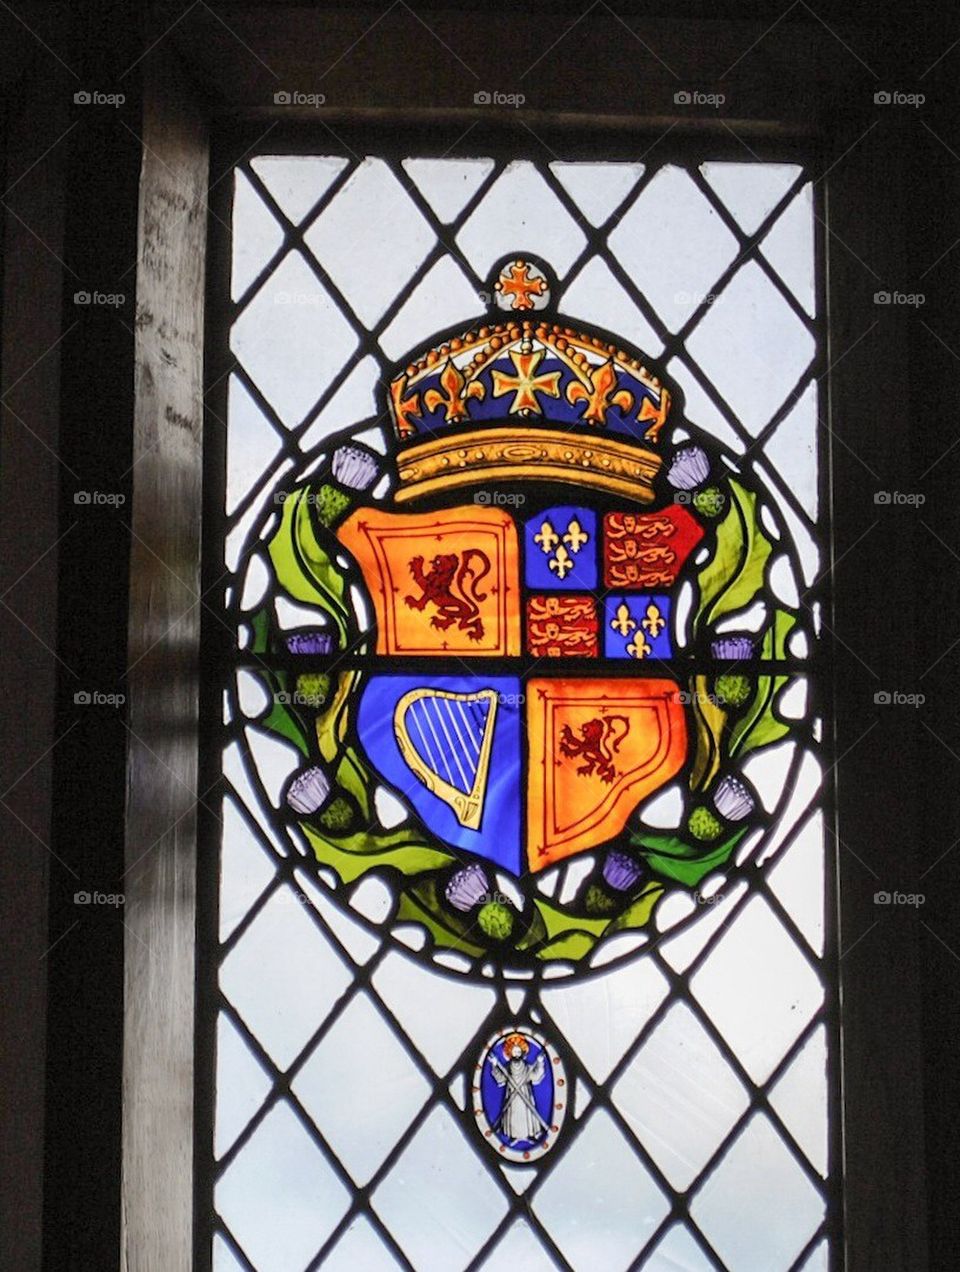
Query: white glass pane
x,y
750,191
438,1177
283,1009
362,1087
242,1085
292,339
448,185
297,182
618,1205
758,1209
597,189
674,245
759,1004
279,1197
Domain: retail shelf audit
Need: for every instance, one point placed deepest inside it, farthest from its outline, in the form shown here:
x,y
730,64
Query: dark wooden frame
x,y
212,62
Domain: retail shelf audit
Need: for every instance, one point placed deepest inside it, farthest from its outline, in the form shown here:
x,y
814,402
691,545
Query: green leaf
x,y
674,858
573,946
759,725
282,720
353,855
557,921
304,568
422,905
731,579
709,719
640,911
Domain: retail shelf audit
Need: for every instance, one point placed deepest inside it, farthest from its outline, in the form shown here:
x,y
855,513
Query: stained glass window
x,y
522,952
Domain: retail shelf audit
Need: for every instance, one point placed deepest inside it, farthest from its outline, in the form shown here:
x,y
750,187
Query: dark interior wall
x,y
69,225
33,115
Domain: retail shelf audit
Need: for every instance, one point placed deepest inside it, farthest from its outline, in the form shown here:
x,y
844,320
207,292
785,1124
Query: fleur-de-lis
x,y
405,409
547,538
658,414
654,622
601,393
450,395
575,536
622,621
562,563
638,647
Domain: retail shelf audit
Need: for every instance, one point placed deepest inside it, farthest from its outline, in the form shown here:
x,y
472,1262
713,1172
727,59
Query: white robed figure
x,y
519,1118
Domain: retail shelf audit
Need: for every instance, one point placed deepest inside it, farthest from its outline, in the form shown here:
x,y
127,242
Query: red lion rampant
x,y
598,743
452,584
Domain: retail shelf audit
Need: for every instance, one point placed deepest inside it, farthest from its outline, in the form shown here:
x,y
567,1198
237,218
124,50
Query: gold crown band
x,y
526,454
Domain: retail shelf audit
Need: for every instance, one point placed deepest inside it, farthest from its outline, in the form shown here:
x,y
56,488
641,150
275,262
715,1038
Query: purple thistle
x,y
732,648
620,872
354,468
467,888
732,800
308,790
690,468
316,642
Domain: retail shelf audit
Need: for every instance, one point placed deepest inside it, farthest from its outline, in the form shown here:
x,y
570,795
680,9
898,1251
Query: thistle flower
x,y
308,790
313,689
597,901
338,815
315,642
703,825
620,871
690,467
496,920
709,501
732,648
354,468
733,689
732,800
467,888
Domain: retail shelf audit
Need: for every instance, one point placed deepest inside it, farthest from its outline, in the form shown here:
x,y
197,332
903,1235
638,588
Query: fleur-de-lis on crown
x,y
658,414
602,392
562,563
547,538
405,409
622,621
451,393
654,622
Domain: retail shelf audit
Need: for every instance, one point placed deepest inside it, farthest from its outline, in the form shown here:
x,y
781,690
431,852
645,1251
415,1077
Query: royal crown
x,y
527,397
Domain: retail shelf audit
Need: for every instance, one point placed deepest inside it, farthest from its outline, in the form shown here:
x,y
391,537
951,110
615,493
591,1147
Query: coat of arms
x,y
540,618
